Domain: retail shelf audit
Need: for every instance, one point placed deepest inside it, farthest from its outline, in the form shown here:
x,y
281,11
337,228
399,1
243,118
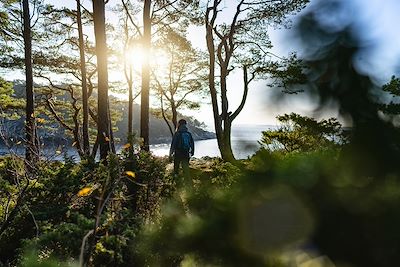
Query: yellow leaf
x,y
127,146
130,173
40,120
84,191
58,152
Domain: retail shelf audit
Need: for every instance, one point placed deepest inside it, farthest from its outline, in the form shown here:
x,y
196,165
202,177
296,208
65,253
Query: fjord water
x,y
244,143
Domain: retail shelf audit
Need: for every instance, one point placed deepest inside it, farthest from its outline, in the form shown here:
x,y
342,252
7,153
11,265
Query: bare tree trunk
x,y
226,148
130,140
227,153
103,124
76,123
211,76
128,72
95,148
130,105
112,144
146,42
174,113
85,105
31,147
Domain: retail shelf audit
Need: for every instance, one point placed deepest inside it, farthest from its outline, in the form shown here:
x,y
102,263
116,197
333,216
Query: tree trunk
x,y
31,147
174,113
130,111
85,105
130,105
211,75
103,124
112,143
146,42
226,152
226,148
75,130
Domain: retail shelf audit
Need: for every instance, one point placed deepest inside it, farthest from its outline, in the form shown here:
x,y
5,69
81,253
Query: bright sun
x,y
159,59
134,57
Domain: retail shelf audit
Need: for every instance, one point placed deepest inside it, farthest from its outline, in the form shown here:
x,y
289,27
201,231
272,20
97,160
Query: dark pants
x,y
183,160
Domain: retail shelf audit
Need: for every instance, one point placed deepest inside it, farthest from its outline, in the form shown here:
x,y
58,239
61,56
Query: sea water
x,y
244,141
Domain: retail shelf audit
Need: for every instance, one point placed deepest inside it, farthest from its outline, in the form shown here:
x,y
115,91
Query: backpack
x,y
183,141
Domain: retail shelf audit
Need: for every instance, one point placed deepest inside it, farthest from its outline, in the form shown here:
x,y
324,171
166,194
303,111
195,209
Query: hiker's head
x,y
181,125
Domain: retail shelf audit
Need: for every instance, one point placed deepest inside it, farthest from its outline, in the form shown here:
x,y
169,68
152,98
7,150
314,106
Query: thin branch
x,y
246,82
131,19
34,221
164,117
57,117
183,98
83,244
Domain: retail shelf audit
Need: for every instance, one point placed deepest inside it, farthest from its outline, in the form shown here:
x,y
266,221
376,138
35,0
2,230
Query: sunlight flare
x,y
135,57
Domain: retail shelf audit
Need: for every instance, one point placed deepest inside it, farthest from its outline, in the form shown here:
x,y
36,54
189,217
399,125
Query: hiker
x,y
182,148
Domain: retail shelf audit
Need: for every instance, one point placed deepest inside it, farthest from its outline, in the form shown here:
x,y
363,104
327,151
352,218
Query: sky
x,y
374,21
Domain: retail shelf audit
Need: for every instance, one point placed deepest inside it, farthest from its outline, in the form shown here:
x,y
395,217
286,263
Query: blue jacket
x,y
174,149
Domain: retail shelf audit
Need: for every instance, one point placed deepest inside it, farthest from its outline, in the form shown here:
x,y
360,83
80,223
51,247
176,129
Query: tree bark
x,y
31,151
146,42
103,124
128,72
211,75
130,104
85,105
174,113
111,139
227,153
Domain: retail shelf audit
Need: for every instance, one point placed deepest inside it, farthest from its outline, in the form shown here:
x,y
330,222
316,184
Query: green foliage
x,y
393,107
9,105
342,200
31,259
56,228
224,174
393,87
220,225
279,204
289,74
150,184
62,240
303,134
255,214
184,75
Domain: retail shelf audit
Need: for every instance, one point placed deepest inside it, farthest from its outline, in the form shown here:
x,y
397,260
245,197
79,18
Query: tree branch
x,y
246,82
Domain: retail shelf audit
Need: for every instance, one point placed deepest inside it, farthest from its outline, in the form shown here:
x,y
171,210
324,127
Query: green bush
x,y
62,206
302,134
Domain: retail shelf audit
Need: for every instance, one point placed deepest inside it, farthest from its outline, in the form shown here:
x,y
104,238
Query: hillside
x,y
159,132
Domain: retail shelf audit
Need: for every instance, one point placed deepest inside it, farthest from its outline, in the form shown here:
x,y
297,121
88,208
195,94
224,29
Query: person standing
x,y
182,148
